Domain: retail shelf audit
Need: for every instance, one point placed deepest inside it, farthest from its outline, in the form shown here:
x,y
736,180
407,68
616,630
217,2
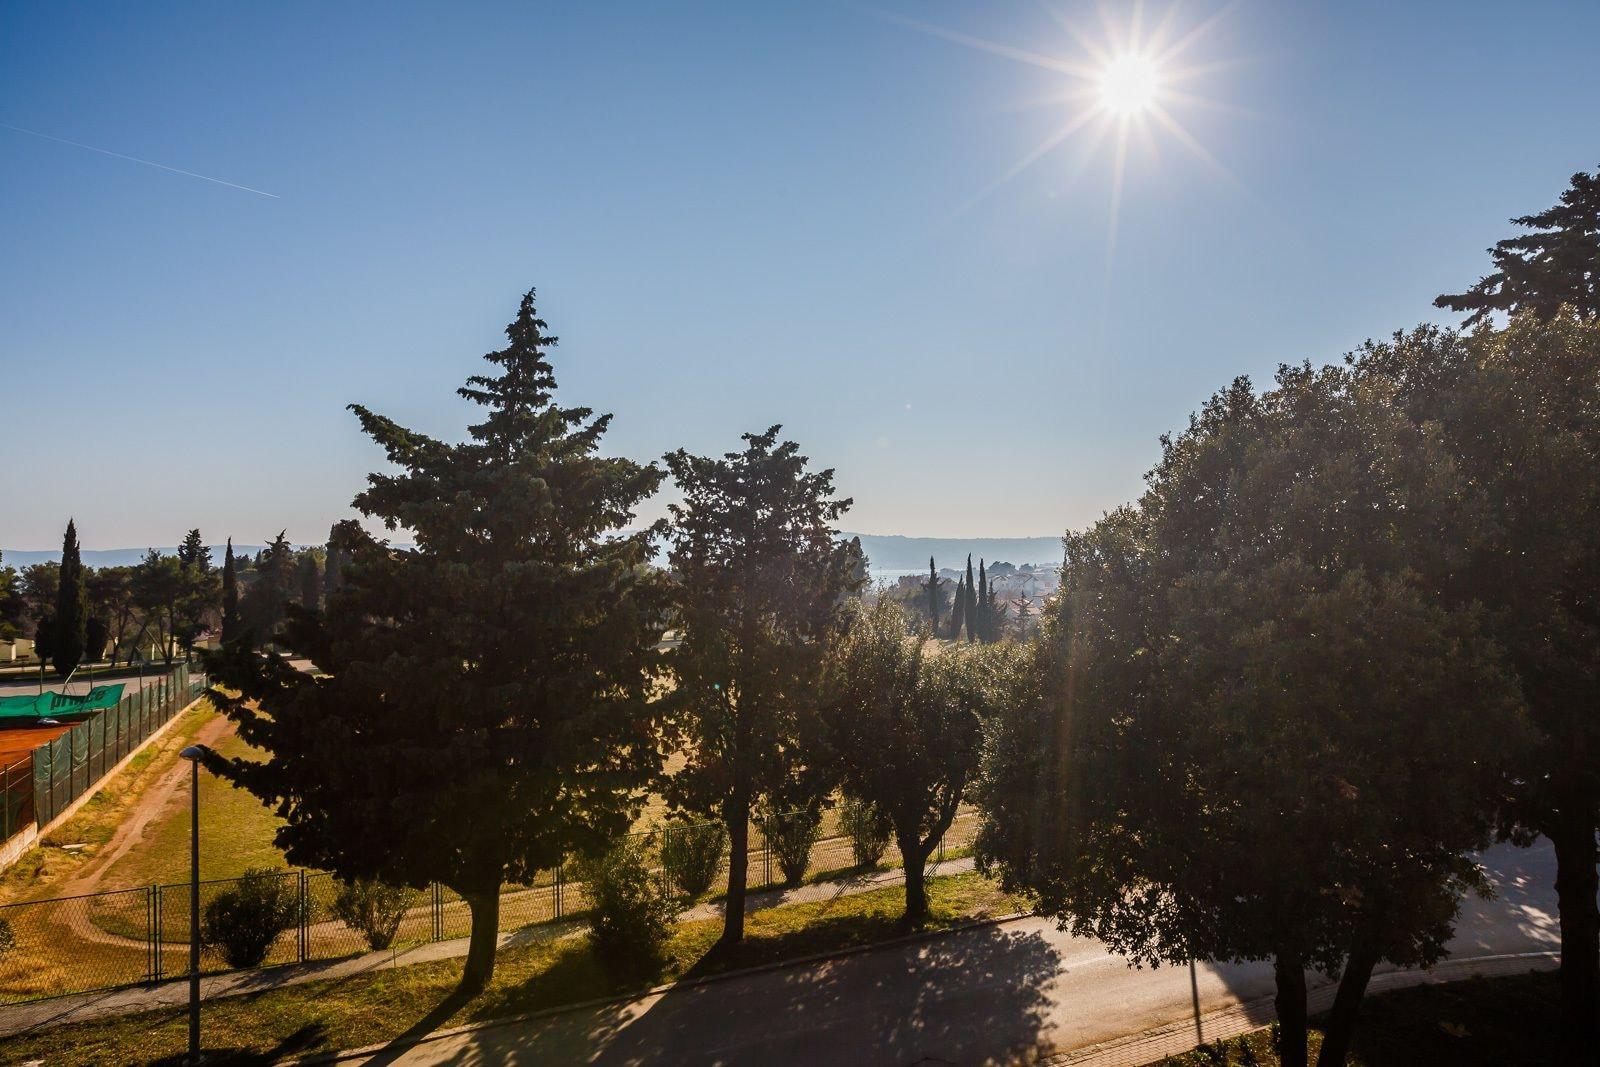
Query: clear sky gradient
x,y
736,214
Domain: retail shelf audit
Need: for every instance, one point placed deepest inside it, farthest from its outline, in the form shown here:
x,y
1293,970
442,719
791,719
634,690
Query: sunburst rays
x,y
1127,84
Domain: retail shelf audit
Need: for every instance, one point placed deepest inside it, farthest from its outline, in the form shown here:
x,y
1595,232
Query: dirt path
x,y
144,811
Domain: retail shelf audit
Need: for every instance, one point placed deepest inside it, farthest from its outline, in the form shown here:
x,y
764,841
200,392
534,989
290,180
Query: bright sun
x,y
1128,84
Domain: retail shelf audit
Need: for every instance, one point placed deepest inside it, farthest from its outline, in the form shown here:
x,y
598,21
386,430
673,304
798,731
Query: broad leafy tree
x,y
481,706
72,607
111,600
1519,410
1251,729
761,579
160,590
13,609
1555,264
905,723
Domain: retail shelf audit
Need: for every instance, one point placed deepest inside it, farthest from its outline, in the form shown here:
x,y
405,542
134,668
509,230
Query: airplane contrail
x,y
136,159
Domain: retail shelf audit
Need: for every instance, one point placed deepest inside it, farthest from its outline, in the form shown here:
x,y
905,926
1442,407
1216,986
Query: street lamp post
x,y
194,754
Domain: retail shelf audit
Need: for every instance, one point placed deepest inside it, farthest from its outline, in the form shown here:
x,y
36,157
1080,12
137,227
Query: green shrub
x,y
691,854
867,828
630,917
243,921
375,908
791,836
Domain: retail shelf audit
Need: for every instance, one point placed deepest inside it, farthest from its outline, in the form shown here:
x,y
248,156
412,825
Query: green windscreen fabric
x,y
16,711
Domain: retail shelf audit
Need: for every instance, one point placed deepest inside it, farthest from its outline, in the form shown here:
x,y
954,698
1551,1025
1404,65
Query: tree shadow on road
x,y
970,996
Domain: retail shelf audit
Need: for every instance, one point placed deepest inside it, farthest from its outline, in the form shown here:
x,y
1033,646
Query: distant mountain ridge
x,y
885,552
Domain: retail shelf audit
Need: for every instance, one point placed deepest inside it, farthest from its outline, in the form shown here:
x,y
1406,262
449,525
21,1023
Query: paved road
x,y
1017,992
27,685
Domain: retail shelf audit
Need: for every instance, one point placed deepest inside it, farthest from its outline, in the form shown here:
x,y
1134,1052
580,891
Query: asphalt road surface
x,y
1016,992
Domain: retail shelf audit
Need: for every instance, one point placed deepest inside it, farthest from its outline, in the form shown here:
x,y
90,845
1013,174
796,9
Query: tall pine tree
x,y
935,601
72,607
481,706
985,623
958,609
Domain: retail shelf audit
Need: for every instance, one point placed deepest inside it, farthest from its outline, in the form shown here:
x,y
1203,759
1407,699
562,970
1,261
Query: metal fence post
x,y
558,889
156,931
305,918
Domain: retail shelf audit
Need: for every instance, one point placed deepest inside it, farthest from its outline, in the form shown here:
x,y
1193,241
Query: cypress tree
x,y
933,598
985,621
958,610
72,607
230,597
971,610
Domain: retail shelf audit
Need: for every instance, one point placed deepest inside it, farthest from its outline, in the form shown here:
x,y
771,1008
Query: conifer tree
x,y
958,609
1556,264
985,623
971,609
72,607
934,600
231,629
762,582
481,706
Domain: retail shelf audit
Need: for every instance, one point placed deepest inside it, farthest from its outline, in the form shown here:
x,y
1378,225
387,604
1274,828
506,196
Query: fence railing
x,y
16,797
75,762
124,937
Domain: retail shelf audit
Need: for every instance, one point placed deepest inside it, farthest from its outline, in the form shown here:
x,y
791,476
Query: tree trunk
x,y
914,860
1341,1028
737,815
485,908
1290,1003
1573,836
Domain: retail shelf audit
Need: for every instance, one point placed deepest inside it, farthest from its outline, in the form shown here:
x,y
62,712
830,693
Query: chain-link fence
x,y
126,937
75,762
16,797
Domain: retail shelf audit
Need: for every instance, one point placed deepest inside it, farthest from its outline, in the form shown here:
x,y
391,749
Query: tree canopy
x,y
760,580
1249,731
493,680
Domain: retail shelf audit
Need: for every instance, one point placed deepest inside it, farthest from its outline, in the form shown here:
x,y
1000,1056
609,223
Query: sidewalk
x,y
175,993
1174,1039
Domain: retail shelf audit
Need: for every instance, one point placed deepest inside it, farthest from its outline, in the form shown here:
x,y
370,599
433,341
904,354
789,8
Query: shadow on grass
x,y
303,1040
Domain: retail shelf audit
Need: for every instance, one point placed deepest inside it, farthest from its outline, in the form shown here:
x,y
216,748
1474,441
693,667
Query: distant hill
x,y
892,552
885,552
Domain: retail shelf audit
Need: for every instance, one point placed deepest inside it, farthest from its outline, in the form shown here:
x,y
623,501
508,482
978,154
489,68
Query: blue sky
x,y
736,214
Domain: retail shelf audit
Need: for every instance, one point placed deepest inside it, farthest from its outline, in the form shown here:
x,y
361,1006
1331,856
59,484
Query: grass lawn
x,y
235,834
1475,1023
351,1012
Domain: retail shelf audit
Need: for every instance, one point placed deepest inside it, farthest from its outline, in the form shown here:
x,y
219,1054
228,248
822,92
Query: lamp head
x,y
195,752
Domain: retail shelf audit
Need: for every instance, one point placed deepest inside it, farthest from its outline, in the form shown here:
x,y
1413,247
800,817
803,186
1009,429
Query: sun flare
x,y
1129,84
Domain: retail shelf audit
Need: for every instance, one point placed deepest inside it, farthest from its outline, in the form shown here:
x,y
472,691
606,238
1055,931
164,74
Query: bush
x,y
244,921
791,836
8,938
373,907
630,917
867,828
692,853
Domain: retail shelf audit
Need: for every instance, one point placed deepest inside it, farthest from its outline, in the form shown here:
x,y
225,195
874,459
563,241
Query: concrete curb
x,y
693,983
